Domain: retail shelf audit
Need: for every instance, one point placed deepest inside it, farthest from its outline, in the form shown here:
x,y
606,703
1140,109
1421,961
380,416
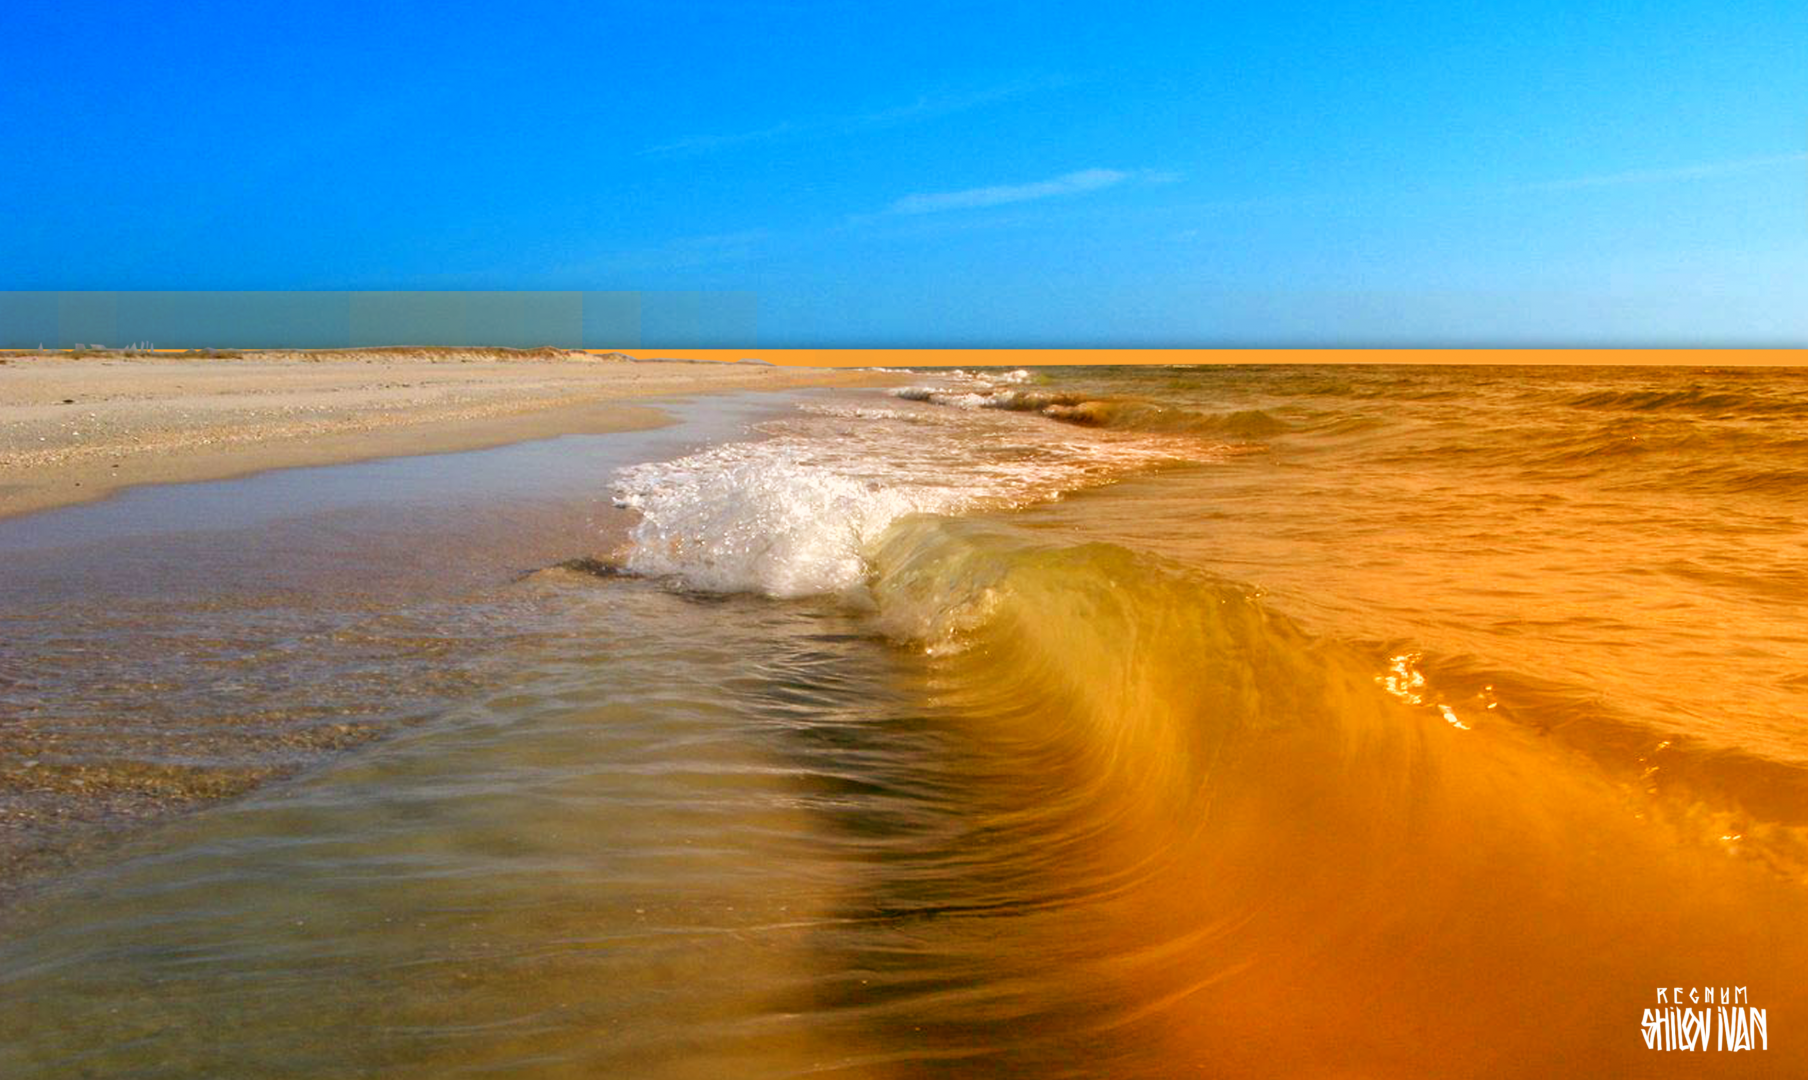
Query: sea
x,y
1242,721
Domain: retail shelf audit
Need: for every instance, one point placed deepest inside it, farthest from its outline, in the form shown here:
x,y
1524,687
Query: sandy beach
x,y
76,429
82,771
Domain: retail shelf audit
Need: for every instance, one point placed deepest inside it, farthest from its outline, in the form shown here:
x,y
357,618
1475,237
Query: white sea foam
x,y
762,517
853,412
796,513
968,389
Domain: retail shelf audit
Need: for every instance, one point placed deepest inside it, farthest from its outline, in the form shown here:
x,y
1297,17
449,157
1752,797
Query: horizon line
x,y
905,356
1477,356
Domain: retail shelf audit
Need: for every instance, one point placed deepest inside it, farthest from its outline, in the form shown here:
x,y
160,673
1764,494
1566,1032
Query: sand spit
x,y
76,426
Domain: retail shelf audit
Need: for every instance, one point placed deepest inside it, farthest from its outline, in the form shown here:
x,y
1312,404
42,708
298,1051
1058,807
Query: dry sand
x,y
76,429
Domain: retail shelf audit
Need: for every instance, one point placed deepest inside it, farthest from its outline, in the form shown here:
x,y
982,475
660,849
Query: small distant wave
x,y
1124,414
1695,399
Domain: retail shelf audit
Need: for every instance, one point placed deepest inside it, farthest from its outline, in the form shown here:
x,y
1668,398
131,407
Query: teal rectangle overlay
x,y
342,319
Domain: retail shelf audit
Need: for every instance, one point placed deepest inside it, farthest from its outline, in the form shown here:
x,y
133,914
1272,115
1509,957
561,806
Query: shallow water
x,y
604,861
175,644
1237,722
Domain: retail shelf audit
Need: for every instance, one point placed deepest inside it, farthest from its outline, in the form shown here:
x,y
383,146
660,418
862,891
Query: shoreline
x,y
343,578
76,430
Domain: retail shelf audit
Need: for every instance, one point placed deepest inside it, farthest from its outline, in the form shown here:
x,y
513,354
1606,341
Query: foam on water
x,y
794,514
1086,407
761,517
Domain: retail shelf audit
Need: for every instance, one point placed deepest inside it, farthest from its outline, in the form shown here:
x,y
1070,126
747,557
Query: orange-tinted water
x,y
1302,722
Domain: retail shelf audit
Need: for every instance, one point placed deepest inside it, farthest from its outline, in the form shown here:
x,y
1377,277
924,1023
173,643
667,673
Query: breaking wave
x,y
1196,830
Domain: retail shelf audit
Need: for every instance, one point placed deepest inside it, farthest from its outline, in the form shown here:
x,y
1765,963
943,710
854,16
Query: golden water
x,y
1221,723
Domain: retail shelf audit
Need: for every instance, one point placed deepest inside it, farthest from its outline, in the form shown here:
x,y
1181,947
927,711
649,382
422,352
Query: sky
x,y
938,174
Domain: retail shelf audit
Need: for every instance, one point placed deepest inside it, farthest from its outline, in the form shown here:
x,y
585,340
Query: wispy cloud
x,y
924,107
1072,183
1657,176
717,248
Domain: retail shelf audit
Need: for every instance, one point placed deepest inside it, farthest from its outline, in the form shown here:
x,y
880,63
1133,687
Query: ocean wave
x,y
1084,410
1134,631
1706,400
793,514
1238,808
789,517
745,517
1177,804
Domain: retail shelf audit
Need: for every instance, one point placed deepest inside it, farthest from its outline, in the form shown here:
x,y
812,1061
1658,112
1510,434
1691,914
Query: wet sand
x,y
74,430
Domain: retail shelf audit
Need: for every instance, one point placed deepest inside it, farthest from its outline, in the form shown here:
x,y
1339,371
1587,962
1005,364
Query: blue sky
x,y
959,174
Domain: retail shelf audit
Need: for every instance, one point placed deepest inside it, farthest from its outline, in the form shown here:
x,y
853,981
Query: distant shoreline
x,y
75,428
1018,357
